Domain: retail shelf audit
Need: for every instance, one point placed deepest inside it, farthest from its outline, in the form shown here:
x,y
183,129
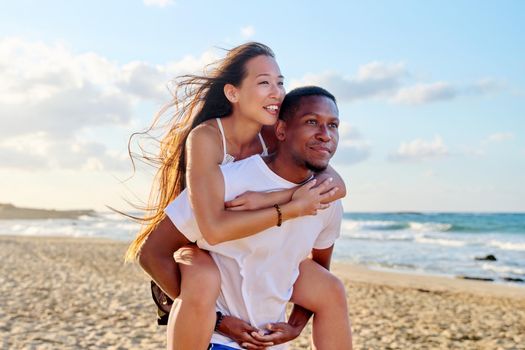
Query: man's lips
x,y
321,149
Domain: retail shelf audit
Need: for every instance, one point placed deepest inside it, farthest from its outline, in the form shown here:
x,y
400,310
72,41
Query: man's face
x,y
311,135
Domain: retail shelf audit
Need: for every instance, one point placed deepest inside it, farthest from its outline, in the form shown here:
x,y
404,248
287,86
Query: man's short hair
x,y
293,98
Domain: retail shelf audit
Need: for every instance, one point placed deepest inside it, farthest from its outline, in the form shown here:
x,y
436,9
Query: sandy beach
x,y
76,293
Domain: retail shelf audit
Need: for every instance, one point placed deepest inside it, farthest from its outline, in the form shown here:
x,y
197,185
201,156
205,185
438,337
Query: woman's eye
x,y
311,121
263,82
334,125
281,83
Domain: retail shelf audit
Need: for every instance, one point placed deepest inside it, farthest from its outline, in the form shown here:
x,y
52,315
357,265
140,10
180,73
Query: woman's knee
x,y
334,289
318,289
332,295
200,277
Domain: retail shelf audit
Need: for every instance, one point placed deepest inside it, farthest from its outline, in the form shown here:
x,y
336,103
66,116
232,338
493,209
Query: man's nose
x,y
323,133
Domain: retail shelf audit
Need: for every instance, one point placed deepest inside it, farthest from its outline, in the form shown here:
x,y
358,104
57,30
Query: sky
x,y
431,94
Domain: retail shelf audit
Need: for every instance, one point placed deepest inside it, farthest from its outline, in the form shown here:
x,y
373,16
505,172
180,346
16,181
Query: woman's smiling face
x,y
261,92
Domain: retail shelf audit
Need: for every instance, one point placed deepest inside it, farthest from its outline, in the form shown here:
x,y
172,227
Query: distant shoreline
x,y
11,212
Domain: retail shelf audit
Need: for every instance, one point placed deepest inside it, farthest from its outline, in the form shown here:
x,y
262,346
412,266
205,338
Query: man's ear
x,y
231,93
280,130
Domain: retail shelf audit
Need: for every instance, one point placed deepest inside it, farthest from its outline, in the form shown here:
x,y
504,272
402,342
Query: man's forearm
x,y
299,317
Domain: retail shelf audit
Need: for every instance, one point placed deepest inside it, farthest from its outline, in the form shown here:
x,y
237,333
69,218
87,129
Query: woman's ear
x,y
280,130
231,93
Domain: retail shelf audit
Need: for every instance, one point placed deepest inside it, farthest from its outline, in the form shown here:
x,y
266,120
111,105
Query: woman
x,y
218,121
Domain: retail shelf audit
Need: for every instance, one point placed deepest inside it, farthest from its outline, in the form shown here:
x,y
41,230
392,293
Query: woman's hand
x,y
242,333
280,332
309,198
249,200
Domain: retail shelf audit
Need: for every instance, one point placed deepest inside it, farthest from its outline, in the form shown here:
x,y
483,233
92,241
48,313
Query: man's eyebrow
x,y
313,114
306,114
268,74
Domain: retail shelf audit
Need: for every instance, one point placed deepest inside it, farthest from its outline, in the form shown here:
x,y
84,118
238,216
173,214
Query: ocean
x,y
429,243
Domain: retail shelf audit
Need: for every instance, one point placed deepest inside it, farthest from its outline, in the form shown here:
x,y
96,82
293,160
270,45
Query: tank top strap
x,y
219,123
263,144
227,158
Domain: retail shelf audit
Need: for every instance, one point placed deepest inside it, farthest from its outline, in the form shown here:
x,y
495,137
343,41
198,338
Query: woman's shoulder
x,y
205,130
204,141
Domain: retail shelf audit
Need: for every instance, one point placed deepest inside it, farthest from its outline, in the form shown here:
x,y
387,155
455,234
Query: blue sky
x,y
431,94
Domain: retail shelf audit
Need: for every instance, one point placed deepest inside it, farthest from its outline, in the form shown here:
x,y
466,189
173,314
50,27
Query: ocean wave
x,y
83,227
520,246
503,269
378,225
69,231
439,222
374,225
440,241
429,227
378,236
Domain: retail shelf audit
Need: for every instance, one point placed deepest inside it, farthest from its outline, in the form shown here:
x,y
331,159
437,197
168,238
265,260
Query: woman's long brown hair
x,y
195,100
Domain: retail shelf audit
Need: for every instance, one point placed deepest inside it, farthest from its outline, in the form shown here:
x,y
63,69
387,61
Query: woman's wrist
x,y
289,210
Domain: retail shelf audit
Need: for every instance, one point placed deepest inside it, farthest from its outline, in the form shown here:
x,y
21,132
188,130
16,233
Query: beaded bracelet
x,y
279,214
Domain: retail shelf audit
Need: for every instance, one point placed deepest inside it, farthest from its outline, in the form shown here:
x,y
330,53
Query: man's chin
x,y
316,167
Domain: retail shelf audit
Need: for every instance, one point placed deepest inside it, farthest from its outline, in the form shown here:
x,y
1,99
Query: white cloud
x,y
389,81
158,3
372,80
49,88
425,93
41,151
247,32
380,71
352,147
499,137
50,95
418,150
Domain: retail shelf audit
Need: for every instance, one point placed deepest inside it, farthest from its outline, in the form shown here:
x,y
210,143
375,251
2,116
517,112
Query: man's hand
x,y
242,333
280,332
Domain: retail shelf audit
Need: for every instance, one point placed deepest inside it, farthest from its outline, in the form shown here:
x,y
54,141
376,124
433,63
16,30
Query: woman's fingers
x,y
310,184
238,208
326,195
325,186
324,206
234,203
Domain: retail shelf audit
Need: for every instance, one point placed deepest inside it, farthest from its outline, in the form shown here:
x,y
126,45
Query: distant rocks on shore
x,y
489,257
475,278
9,211
487,279
513,279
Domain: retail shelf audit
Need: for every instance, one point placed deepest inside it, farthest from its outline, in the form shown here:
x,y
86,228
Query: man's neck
x,y
286,168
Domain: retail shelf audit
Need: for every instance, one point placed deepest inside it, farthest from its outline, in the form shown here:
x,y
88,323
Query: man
x,y
258,272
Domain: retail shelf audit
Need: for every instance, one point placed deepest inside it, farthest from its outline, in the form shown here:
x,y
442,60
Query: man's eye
x,y
263,82
311,121
281,83
334,125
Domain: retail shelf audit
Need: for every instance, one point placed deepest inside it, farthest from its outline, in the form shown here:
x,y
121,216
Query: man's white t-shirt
x,y
258,272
